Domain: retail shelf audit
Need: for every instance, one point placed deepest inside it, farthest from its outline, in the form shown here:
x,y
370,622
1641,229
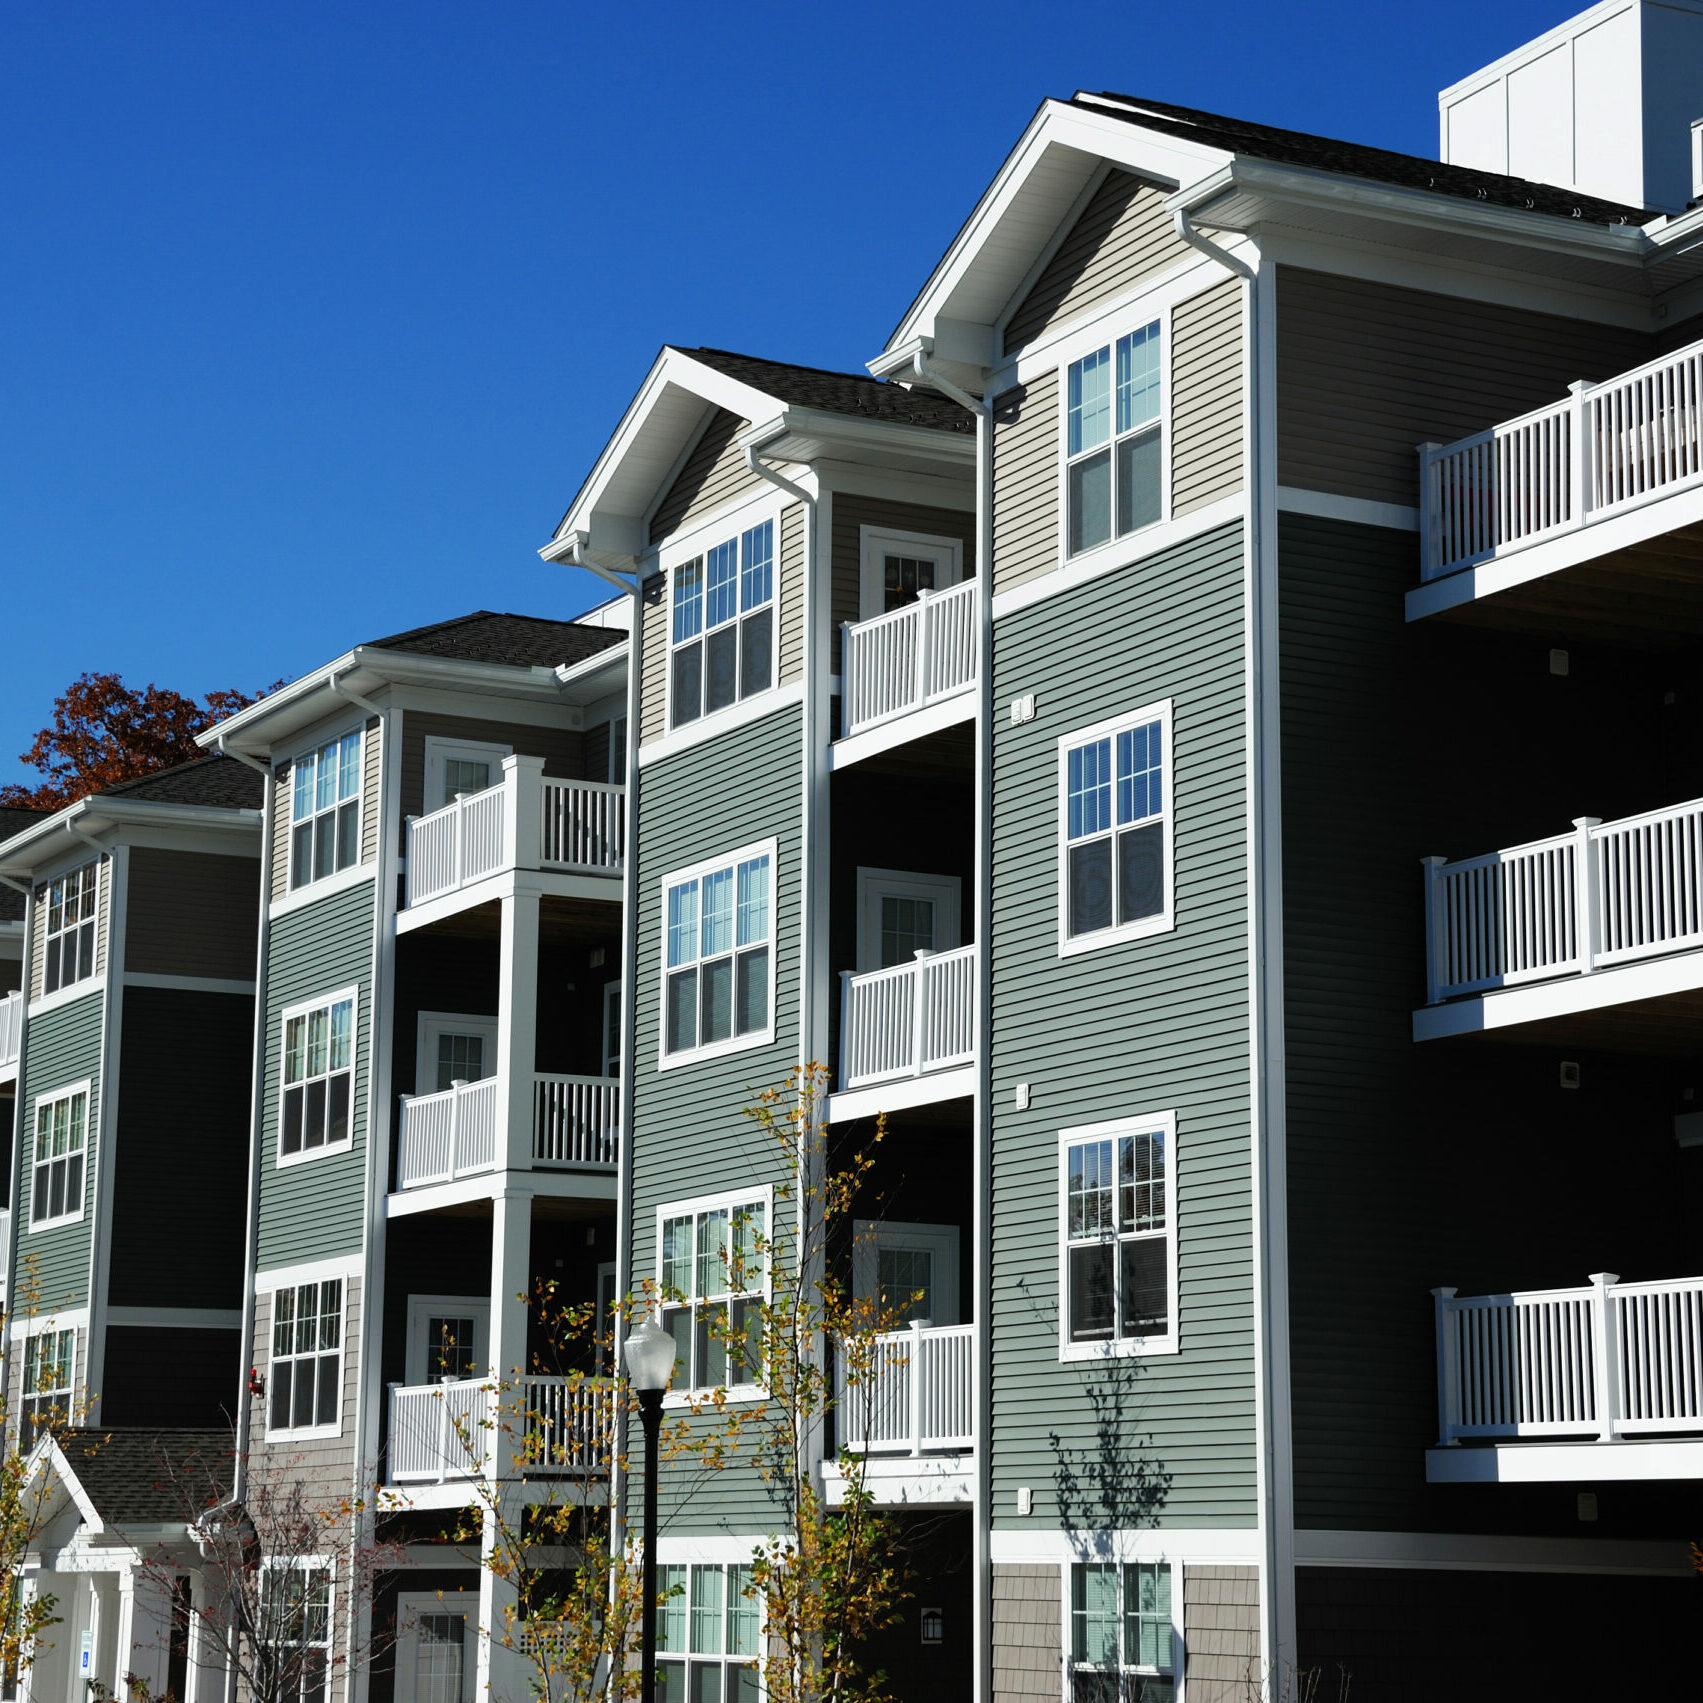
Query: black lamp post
x,y
649,1352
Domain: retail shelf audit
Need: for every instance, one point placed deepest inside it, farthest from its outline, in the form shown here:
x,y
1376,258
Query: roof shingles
x,y
521,641
149,1477
838,393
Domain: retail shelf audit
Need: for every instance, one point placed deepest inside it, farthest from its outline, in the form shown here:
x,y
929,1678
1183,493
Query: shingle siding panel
x,y
791,587
653,682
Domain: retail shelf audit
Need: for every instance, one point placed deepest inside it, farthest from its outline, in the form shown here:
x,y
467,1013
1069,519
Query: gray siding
x,y
1206,397
1025,482
713,474
691,1136
1221,1633
852,512
792,593
315,1209
1146,1026
1028,1633
653,676
562,749
191,914
1123,235
1367,372
64,1047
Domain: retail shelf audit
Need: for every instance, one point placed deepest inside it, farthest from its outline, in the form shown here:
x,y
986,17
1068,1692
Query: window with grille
x,y
49,1370
711,1271
67,910
325,810
293,1640
305,1387
1123,1647
1114,452
319,1060
708,1633
57,1161
718,922
722,626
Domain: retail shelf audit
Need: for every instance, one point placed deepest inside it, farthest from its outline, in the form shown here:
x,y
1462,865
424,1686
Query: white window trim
x,y
307,1156
87,1088
1162,922
410,1606
97,969
438,749
870,1235
876,542
1171,1341
763,1195
765,1037
1112,1556
1131,543
417,1353
288,783
946,891
677,556
430,1025
305,1433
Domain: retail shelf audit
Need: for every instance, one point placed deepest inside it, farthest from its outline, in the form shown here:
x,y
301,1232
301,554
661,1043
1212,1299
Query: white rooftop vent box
x,y
1604,103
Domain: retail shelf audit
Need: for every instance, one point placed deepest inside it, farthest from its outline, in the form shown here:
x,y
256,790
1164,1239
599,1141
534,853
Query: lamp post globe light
x,y
649,1353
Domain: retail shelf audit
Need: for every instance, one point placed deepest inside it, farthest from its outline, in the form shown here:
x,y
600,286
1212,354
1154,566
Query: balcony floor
x,y
901,1093
1566,1463
569,905
473,1195
905,1481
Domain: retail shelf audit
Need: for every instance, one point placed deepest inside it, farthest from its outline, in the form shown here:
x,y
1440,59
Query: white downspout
x,y
1187,233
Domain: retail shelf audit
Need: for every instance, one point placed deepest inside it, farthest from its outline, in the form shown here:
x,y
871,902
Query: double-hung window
x,y
718,928
723,626
707,1634
1114,456
49,1367
1118,1241
711,1259
67,909
61,1145
1115,875
307,1357
294,1642
1122,1643
319,1059
325,810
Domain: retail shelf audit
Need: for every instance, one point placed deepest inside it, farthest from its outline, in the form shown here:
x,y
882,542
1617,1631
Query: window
x,y
451,1048
325,810
896,566
49,1362
307,1356
1119,1248
1114,462
707,1635
61,1144
294,1646
68,930
901,914
711,1273
319,1058
453,768
909,1270
1115,877
1122,1648
436,1646
447,1336
718,922
723,625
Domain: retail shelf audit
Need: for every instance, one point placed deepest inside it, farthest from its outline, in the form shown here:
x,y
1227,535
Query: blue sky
x,y
316,315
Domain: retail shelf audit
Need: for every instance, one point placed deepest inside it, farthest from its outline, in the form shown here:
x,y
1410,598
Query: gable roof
x,y
13,820
156,1477
219,782
837,392
524,641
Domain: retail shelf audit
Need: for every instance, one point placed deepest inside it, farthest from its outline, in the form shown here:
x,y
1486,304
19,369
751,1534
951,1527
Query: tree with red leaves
x,y
105,732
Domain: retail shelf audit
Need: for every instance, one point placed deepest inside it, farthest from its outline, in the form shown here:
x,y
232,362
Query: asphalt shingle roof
x,y
1354,159
522,641
13,821
149,1477
216,781
838,393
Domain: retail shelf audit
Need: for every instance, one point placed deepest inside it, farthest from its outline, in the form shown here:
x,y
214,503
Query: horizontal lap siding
x,y
1025,482
691,1136
372,798
191,914
562,749
852,513
64,1047
281,832
1206,398
103,919
714,473
1367,372
792,593
1123,235
316,1209
1147,1026
326,1465
653,678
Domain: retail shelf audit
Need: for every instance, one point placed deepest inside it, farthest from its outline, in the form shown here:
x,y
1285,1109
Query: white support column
x,y
1579,466
523,812
1605,1350
206,1665
1448,1389
1436,930
1587,902
517,1021
144,1632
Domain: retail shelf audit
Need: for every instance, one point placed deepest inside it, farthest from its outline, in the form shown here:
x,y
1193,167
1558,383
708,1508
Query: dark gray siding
x,y
1153,1025
316,1209
191,914
166,1375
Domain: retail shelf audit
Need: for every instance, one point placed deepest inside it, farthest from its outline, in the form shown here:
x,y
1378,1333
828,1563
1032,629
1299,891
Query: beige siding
x,y
103,916
191,914
653,683
281,832
853,512
713,474
1206,398
1025,482
372,794
1123,235
1366,372
325,1464
792,593
562,749
1221,1633
1028,1634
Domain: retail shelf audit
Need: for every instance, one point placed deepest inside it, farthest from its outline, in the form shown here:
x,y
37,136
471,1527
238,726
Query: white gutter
x,y
339,690
1187,233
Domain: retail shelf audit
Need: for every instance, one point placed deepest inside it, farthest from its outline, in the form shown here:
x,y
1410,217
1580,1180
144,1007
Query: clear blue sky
x,y
316,315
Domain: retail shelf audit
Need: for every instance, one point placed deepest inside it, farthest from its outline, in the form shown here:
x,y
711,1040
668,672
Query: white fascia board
x,y
1566,1463
595,676
233,729
808,435
38,846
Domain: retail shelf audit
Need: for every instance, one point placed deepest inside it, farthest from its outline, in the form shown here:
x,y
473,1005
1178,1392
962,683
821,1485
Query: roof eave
x,y
807,435
77,824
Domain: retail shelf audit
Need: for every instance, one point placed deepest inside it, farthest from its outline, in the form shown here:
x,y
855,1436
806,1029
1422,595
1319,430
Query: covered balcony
x,y
909,1031
909,672
1600,1382
556,1426
11,1032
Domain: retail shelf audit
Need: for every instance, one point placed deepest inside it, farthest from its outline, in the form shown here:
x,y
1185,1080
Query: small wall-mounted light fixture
x,y
1560,662
1569,1074
256,1381
596,957
933,1626
1587,1505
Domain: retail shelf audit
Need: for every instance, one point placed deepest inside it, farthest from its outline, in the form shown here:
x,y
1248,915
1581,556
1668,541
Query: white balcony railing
x,y
11,1028
1607,893
1611,1359
910,1019
574,825
917,1394
909,657
462,1131
1604,449
445,1431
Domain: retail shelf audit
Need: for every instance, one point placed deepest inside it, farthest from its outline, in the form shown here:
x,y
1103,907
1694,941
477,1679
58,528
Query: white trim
x,y
907,1481
22,1325
706,1549
925,1090
362,803
761,1194
877,542
303,1433
65,996
439,749
177,1318
185,984
421,1308
1327,505
1162,921
1455,1551
939,1241
741,714
325,889
280,1159
309,1271
488,1185
51,1097
944,892
1566,1463
770,849
1119,1347
902,729
431,1024
1226,1545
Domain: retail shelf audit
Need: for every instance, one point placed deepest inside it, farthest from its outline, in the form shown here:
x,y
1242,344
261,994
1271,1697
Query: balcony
x,y
527,821
913,1413
461,1132
1604,1381
442,1432
11,1031
1610,913
919,657
910,1022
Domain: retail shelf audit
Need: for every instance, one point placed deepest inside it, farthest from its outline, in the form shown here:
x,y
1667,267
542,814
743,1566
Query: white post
x,y
925,674
523,812
408,854
456,1085
1448,1385
517,1026
845,1023
460,840
205,1674
144,1631
1605,1351
1587,894
1436,929
1430,513
1579,452
916,1386
918,1027
846,700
